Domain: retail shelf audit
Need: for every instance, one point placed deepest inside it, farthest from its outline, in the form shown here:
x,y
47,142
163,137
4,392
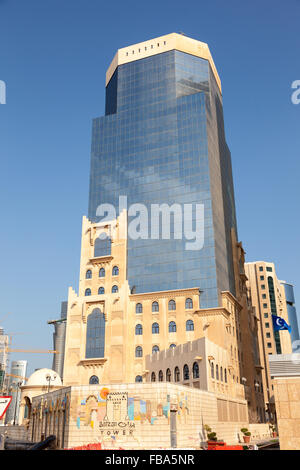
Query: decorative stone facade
x,y
137,416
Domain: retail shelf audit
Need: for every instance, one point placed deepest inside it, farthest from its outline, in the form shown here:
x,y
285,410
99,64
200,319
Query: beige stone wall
x,y
207,355
136,416
120,362
287,401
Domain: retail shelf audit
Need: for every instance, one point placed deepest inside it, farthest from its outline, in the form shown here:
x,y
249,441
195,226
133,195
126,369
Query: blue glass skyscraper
x,y
162,141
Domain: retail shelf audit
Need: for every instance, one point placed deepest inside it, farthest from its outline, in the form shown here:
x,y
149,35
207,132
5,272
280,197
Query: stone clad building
x,y
147,304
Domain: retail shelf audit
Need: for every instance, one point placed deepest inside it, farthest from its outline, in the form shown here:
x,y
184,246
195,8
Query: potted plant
x,y
246,435
273,430
212,440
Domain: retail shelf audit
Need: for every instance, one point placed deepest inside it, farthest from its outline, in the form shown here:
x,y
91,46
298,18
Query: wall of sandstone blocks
x,y
287,401
148,422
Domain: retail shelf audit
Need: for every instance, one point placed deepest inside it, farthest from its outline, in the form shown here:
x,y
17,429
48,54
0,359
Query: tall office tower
x,y
16,380
162,141
59,338
4,340
268,297
292,314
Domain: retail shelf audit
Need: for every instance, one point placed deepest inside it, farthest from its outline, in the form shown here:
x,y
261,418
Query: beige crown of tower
x,y
161,44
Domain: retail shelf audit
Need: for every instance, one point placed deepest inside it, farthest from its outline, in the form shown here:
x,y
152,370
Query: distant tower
x,y
4,340
18,368
59,337
292,314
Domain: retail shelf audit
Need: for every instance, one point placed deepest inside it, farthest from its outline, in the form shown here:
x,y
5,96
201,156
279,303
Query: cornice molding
x,y
168,294
90,363
213,312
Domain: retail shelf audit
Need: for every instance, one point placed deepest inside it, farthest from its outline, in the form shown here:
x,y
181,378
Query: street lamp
x,y
50,379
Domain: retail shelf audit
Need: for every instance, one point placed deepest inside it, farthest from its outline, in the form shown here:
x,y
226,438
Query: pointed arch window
x,y
168,375
88,274
94,380
189,325
186,372
101,272
138,308
195,370
95,334
115,271
114,289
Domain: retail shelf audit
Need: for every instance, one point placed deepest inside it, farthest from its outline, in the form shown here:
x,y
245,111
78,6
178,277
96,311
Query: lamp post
x,y
50,379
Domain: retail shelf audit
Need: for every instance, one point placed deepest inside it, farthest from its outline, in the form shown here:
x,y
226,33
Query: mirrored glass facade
x,y
162,141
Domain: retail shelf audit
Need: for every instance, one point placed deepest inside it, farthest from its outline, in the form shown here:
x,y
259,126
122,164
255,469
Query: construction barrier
x,y
222,446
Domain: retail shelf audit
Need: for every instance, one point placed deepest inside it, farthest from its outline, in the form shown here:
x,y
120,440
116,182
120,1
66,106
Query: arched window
x,y
212,370
195,370
155,307
114,289
101,290
138,329
221,374
153,377
138,308
88,274
95,334
225,375
189,325
139,378
177,374
217,372
172,327
168,375
160,376
94,380
155,328
172,305
115,271
172,345
188,303
88,292
101,272
102,247
138,351
155,349
186,372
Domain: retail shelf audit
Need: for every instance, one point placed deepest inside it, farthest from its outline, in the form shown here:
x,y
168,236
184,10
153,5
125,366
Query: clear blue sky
x,y
53,58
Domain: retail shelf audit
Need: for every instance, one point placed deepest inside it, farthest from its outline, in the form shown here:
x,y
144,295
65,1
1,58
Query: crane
x,y
38,351
17,376
9,313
